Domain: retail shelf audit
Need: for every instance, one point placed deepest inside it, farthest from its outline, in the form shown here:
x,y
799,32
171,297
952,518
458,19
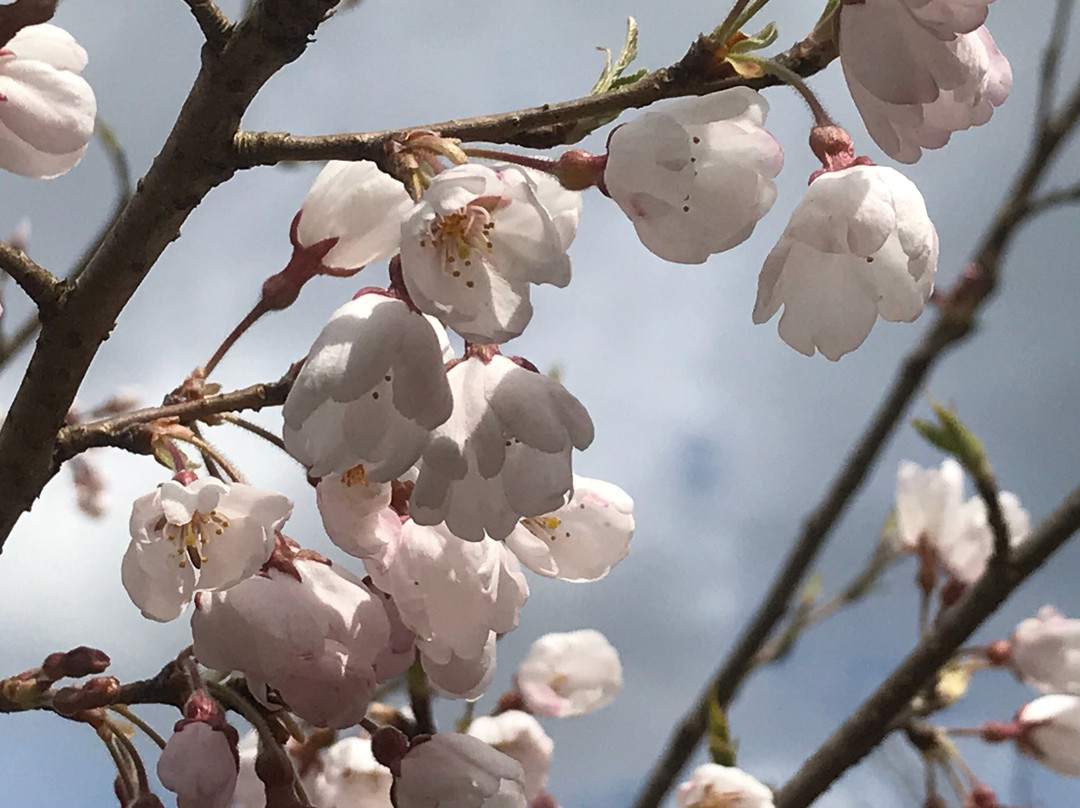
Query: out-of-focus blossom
x,y
478,238
350,777
46,108
716,786
1044,652
1049,731
520,736
569,674
199,534
695,175
459,771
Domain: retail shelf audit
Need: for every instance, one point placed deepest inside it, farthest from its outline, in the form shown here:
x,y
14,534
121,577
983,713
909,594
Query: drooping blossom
x,y
933,518
713,786
312,632
568,674
1044,652
46,108
197,534
919,71
350,777
1048,729
352,214
504,453
455,596
858,245
460,771
695,175
583,539
372,389
200,761
478,238
357,515
519,735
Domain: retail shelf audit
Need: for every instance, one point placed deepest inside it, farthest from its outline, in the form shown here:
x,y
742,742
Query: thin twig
x,y
869,724
149,731
1051,199
546,126
1051,59
40,285
254,429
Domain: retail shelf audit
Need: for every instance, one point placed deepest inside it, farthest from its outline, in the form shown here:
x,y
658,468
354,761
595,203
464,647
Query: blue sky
x,y
724,435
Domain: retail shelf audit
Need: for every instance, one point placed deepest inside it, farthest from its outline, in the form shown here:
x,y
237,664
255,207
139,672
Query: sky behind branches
x,y
724,435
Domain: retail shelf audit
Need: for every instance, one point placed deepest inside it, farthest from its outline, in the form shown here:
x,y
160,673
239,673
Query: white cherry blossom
x,y
372,389
1044,651
520,736
358,208
1049,731
966,553
478,238
583,539
455,596
205,534
357,515
568,674
858,245
200,762
350,777
458,771
695,175
713,785
46,108
504,453
314,633
917,72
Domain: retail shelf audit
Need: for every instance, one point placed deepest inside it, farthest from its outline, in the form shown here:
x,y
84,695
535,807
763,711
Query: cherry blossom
x,y
504,453
919,71
312,632
569,674
520,736
202,534
350,777
46,108
357,515
352,214
200,761
1044,651
695,176
933,517
478,238
713,785
1049,731
583,539
858,245
457,770
372,389
455,596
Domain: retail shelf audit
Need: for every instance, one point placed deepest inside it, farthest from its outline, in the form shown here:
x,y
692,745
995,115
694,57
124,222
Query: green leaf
x,y
612,72
722,749
951,435
762,39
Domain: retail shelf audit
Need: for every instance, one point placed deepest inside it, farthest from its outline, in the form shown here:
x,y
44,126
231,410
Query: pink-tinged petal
x,y
158,579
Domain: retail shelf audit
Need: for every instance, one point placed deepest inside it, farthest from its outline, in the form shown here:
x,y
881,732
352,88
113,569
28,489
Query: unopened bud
x,y
74,664
389,745
98,692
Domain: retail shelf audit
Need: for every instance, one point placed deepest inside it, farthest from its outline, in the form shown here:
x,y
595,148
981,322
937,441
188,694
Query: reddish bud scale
x,y
74,664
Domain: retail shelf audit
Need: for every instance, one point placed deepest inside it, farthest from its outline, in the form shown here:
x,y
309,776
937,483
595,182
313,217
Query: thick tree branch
x,y
857,736
197,156
40,285
212,22
547,126
959,307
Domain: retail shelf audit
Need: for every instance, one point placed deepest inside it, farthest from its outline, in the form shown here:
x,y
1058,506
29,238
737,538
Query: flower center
x,y
191,537
465,231
355,476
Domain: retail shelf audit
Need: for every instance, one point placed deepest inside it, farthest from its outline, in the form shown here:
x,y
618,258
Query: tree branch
x,y
197,156
40,285
872,721
212,21
957,318
546,126
123,431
